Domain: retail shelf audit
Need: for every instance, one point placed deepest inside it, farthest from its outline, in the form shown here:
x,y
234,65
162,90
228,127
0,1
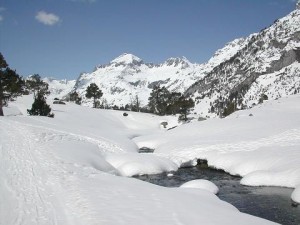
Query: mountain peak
x,y
175,61
126,59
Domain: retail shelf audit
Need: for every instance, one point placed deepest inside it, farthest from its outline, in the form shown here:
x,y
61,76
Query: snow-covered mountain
x,y
266,62
59,88
127,76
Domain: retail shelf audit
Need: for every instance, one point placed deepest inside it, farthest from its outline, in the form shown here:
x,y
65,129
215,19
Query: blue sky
x,y
62,38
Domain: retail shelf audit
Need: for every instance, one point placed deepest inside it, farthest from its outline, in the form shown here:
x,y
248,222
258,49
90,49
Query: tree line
x,y
160,102
164,102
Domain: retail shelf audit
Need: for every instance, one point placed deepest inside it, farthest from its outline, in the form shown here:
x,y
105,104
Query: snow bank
x,y
62,171
131,164
263,148
201,184
296,194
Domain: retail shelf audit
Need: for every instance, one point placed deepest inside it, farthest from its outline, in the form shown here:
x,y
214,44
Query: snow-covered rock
x,y
131,164
201,184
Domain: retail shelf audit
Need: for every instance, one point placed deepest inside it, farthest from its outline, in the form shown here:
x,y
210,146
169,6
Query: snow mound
x,y
130,164
12,111
287,178
296,194
201,184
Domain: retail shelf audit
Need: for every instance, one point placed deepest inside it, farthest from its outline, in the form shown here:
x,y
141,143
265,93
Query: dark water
x,y
272,203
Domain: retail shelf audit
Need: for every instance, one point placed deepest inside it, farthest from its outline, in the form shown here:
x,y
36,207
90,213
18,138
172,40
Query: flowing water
x,y
272,203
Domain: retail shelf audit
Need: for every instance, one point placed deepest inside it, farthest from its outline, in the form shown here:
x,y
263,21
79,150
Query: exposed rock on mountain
x,y
267,62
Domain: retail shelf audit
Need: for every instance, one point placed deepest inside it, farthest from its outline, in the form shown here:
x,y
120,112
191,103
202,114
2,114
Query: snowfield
x,y
74,169
261,144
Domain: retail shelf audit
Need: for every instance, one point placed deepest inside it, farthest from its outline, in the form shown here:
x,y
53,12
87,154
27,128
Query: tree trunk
x,y
1,99
1,109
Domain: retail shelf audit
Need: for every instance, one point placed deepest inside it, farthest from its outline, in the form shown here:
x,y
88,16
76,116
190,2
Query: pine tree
x,y
94,92
262,98
135,104
74,97
173,106
229,109
158,100
40,107
11,84
40,90
35,84
184,107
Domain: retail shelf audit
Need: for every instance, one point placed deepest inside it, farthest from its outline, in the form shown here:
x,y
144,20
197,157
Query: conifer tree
x,y
35,84
158,100
262,98
40,90
94,92
40,107
11,84
74,97
229,109
173,106
135,104
184,107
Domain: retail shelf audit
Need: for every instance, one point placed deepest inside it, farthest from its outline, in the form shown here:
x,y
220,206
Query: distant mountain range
x,y
267,62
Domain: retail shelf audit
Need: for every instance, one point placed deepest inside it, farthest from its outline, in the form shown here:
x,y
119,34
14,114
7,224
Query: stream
x,y
272,203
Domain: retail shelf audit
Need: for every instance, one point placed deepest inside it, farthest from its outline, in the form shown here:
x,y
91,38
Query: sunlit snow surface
x,y
202,184
66,170
261,144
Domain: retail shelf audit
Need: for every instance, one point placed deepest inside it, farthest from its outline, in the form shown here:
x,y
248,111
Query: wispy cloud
x,y
49,19
2,9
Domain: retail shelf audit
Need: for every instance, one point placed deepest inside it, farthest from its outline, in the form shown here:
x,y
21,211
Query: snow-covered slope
x,y
267,63
59,88
63,170
127,76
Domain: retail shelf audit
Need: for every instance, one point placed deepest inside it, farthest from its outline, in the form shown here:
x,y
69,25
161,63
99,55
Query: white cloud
x,y
47,18
2,9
